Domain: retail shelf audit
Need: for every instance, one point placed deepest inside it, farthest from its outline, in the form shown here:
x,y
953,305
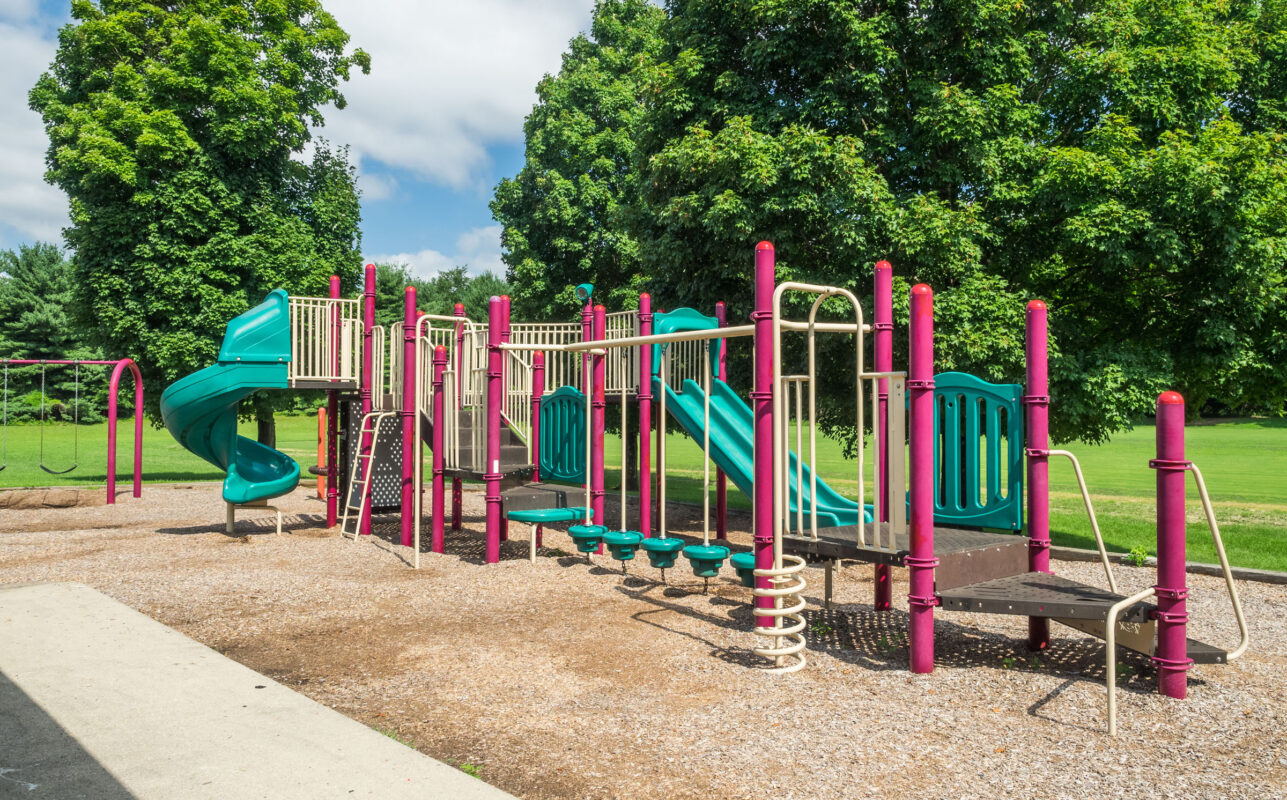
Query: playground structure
x,y
520,405
119,367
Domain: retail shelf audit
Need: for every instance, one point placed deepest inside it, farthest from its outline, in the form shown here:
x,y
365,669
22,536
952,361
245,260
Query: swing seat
x,y
622,544
662,552
587,537
706,559
744,563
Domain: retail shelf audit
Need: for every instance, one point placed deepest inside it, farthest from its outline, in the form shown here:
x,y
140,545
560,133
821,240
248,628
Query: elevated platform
x,y
965,556
1040,594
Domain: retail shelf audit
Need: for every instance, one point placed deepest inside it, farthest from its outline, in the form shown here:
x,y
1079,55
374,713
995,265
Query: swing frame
x,y
119,366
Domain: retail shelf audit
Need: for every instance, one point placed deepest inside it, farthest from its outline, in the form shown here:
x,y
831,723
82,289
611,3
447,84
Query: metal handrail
x,y
1090,512
1224,564
1110,650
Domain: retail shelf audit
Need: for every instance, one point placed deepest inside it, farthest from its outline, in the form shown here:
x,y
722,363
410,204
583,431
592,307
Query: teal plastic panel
x,y
684,319
563,433
262,334
978,452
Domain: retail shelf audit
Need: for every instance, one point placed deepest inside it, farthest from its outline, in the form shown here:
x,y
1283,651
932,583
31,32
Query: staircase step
x,y
1039,594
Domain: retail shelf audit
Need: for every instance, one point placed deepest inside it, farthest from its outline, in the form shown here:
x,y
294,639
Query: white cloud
x,y
32,207
478,249
447,79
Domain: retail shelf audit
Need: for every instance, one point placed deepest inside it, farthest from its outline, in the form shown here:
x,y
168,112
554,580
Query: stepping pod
x,y
587,537
744,563
622,544
662,552
706,559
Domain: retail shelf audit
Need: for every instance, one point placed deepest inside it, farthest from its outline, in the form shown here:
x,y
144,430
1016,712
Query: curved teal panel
x,y
978,452
563,436
684,319
200,410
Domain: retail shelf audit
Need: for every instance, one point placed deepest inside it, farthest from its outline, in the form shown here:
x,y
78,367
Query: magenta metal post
x,y
920,561
598,409
721,480
762,401
408,413
491,470
538,391
505,390
883,329
333,422
113,388
1172,656
439,438
457,486
366,388
645,417
1036,403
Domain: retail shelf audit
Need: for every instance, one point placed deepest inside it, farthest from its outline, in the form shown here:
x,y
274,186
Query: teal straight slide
x,y
732,448
200,411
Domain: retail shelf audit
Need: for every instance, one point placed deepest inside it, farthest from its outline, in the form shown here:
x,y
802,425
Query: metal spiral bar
x,y
788,606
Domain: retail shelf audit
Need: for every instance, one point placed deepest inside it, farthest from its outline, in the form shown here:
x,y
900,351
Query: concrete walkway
x,y
99,701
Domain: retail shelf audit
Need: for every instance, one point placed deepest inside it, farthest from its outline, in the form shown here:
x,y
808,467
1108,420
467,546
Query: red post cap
x,y
764,246
922,288
719,303
600,307
460,306
645,296
1034,305
410,290
1170,399
884,265
439,350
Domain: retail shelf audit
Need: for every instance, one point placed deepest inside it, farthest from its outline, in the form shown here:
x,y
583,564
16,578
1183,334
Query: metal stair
x,y
361,471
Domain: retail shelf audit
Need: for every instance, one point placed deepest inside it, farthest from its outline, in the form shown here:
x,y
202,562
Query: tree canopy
x,y
175,128
563,213
1123,161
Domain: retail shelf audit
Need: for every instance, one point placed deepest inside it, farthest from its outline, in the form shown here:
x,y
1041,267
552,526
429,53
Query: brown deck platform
x,y
964,556
1040,594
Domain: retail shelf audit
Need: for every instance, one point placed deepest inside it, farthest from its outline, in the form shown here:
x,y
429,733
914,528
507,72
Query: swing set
x,y
114,382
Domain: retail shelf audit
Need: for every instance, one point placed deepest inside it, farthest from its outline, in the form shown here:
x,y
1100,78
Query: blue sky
x,y
432,129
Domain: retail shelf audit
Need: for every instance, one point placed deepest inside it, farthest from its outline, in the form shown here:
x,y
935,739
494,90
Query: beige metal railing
x,y
325,339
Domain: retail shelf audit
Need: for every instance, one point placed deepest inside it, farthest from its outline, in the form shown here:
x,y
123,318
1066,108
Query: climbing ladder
x,y
370,426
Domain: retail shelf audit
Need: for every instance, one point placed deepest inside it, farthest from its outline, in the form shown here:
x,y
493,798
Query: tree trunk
x,y
267,425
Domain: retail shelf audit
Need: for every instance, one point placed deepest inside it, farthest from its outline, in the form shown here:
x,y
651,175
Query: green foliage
x,y
436,295
172,129
563,213
1124,161
1138,556
37,321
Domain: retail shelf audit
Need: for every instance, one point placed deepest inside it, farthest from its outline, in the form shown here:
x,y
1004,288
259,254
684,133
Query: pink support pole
x,y
1037,407
645,418
1172,657
921,562
883,327
410,447
333,426
368,381
439,438
762,400
113,388
491,470
505,388
587,314
721,480
598,409
538,391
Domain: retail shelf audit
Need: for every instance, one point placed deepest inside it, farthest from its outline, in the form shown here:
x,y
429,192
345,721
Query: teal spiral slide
x,y
200,410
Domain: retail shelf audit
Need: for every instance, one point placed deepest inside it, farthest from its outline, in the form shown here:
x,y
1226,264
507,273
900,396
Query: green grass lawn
x,y
1244,462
